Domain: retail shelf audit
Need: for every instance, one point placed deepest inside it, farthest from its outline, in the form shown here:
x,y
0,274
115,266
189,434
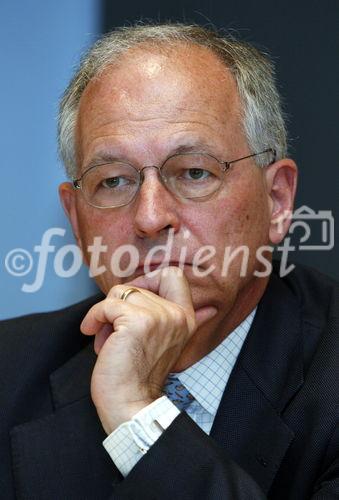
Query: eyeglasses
x,y
192,176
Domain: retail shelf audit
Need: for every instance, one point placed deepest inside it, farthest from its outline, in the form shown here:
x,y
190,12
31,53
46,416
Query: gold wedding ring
x,y
127,292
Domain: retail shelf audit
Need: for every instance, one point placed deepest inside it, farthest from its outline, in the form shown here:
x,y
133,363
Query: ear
x,y
68,200
281,183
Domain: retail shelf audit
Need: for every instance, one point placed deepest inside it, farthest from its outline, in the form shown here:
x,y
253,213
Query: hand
x,y
138,341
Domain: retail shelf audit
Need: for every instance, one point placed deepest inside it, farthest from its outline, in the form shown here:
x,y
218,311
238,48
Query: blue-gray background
x,y
40,43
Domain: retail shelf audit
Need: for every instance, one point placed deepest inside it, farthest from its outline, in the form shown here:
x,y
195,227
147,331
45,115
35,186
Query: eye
x,y
115,182
196,174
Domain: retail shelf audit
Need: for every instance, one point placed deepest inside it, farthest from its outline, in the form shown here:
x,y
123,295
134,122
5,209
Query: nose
x,y
156,208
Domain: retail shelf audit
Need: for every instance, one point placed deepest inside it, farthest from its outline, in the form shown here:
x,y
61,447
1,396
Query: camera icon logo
x,y
319,225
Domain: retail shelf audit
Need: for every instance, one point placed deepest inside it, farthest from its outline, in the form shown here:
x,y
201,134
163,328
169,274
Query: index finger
x,y
170,283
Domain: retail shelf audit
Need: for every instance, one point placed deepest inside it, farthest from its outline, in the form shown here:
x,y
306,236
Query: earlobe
x,y
68,201
281,182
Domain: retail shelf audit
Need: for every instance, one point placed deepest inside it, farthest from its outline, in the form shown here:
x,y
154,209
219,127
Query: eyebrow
x,y
102,158
195,147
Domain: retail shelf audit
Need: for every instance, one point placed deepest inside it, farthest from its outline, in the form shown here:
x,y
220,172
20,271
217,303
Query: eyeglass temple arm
x,y
269,150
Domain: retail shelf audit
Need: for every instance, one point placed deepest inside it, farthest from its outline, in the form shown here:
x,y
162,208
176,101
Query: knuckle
x,y
148,320
113,292
108,305
179,317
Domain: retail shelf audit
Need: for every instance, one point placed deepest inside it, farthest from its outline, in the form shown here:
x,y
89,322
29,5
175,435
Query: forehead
x,y
186,86
145,71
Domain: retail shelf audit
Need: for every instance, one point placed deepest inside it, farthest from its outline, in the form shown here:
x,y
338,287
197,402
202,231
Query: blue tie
x,y
177,393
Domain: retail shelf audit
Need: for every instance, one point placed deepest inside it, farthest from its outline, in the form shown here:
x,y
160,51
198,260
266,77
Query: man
x,y
210,379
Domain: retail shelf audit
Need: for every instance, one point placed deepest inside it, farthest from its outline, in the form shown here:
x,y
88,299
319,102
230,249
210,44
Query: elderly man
x,y
211,377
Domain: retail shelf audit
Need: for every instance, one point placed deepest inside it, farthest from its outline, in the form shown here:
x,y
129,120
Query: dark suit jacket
x,y
274,435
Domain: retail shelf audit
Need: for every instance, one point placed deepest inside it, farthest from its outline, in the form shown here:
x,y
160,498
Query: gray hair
x,y
262,116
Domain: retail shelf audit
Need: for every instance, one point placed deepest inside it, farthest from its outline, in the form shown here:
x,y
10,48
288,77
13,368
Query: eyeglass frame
x,y
227,164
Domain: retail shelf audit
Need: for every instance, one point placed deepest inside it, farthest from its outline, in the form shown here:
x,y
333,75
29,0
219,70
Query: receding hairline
x,y
163,48
221,75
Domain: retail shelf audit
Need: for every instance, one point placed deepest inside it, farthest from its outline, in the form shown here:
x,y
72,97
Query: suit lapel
x,y
268,373
61,455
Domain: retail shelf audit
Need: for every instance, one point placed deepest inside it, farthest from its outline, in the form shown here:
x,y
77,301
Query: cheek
x,y
245,220
239,218
111,230
247,207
